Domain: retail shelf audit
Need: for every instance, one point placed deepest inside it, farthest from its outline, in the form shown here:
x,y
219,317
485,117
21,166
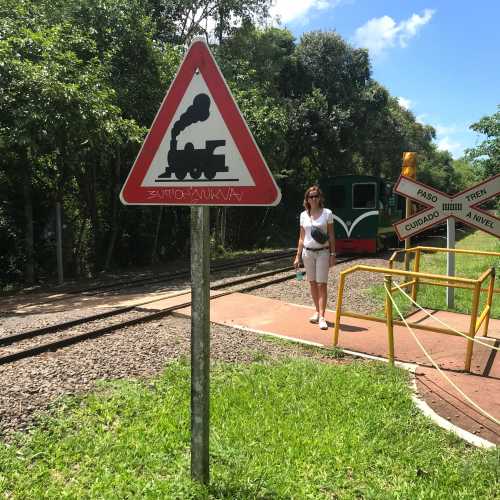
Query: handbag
x,y
318,235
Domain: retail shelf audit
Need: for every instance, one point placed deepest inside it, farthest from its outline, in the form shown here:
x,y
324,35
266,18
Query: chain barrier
x,y
428,356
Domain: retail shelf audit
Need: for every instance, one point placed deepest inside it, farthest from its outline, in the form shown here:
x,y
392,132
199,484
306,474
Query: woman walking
x,y
317,248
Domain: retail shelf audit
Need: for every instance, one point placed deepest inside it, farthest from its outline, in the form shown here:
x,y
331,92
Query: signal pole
x,y
409,169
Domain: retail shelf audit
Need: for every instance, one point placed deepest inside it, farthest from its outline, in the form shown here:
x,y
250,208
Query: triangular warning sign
x,y
199,150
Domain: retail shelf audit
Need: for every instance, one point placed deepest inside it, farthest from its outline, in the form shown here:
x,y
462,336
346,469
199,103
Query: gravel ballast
x,y
356,297
32,385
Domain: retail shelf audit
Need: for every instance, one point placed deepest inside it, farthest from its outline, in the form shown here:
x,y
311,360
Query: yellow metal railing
x,y
414,278
419,250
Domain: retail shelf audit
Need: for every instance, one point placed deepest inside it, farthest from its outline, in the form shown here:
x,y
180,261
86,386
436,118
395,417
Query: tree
x,y
177,21
486,156
81,81
57,104
466,174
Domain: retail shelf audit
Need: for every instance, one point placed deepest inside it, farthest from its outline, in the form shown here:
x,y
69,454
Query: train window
x,y
337,197
363,195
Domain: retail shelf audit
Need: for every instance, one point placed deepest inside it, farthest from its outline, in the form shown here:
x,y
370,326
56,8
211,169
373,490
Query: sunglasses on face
x,y
311,196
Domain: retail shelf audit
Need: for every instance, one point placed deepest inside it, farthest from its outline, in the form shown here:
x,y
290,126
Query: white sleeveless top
x,y
325,218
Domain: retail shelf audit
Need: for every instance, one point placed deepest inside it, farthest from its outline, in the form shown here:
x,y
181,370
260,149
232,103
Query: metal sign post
x,y
200,342
450,261
200,152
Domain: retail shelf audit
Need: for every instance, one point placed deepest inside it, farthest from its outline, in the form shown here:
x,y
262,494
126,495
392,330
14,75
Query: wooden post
x,y
200,343
388,317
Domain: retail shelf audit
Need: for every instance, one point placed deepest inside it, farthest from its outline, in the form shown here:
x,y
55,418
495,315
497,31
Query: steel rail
x,y
29,334
98,289
73,339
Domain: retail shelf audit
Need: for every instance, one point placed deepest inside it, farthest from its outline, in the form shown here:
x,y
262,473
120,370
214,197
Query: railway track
x,y
34,342
159,278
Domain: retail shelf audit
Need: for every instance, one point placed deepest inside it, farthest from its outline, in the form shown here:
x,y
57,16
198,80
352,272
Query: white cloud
x,y
421,118
445,143
409,28
382,33
445,130
405,103
445,140
446,136
297,10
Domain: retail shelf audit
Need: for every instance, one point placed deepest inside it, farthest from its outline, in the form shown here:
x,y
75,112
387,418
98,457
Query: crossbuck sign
x,y
439,206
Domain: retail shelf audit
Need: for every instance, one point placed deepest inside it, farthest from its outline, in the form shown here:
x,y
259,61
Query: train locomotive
x,y
364,208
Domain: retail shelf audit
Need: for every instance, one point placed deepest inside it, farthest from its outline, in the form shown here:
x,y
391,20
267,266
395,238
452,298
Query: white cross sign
x,y
439,206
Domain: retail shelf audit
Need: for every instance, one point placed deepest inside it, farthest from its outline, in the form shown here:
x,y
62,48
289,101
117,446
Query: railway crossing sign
x,y
439,206
199,150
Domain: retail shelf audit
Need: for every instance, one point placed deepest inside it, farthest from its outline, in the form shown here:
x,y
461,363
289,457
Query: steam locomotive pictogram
x,y
195,161
190,160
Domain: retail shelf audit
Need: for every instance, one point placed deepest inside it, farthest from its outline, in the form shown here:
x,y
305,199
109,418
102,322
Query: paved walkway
x,y
290,321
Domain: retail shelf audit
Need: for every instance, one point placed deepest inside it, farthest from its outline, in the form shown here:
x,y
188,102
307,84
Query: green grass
x,y
289,429
467,266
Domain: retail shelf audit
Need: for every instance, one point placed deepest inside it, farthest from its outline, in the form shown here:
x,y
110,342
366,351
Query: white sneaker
x,y
314,318
323,324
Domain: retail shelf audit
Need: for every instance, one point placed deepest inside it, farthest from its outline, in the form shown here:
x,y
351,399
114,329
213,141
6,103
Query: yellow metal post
x,y
489,301
416,269
472,328
338,312
388,316
409,169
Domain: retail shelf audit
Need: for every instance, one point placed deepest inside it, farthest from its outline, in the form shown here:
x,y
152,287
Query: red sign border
x,y
265,192
441,220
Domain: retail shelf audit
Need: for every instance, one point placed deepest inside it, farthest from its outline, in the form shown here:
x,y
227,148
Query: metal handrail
x,y
456,282
443,250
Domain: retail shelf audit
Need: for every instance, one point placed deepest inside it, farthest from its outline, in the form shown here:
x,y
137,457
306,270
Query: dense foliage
x,y
81,80
486,156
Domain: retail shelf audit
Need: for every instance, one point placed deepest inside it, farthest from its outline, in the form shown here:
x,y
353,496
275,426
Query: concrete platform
x,y
290,321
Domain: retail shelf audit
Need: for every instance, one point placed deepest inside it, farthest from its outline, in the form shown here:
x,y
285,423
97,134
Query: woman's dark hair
x,y
316,189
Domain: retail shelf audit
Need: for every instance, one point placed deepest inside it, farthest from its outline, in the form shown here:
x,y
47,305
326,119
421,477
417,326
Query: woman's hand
x,y
333,260
296,262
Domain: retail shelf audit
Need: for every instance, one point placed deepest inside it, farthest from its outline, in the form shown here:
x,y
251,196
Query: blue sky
x,y
440,57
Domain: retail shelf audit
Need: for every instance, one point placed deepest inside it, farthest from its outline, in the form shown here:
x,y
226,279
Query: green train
x,y
364,208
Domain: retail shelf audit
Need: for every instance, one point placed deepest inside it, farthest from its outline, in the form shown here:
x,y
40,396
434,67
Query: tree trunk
x,y
59,251
216,225
220,226
77,253
93,216
223,226
29,266
154,252
115,222
221,25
